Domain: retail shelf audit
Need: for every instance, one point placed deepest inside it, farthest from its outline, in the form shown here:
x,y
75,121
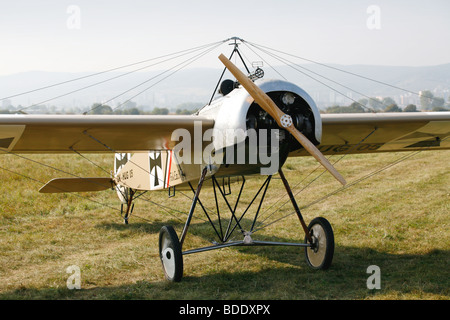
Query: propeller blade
x,y
283,120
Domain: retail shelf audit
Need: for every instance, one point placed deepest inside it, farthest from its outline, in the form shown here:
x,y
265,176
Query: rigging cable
x,y
140,167
78,195
276,71
110,70
347,186
292,64
165,208
183,65
313,180
189,61
344,71
173,56
107,80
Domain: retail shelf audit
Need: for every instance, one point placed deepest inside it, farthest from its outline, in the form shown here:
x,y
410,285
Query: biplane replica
x,y
253,121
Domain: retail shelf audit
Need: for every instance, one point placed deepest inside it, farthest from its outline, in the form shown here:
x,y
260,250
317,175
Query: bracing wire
x,y
168,58
110,79
175,70
145,170
209,48
265,61
296,66
341,70
77,195
204,50
347,186
165,208
313,180
110,70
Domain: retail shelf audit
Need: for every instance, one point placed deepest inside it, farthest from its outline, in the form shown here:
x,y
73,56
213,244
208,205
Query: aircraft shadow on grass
x,y
290,279
401,273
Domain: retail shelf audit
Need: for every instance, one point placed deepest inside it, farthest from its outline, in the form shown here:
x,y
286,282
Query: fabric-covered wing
x,y
93,133
383,132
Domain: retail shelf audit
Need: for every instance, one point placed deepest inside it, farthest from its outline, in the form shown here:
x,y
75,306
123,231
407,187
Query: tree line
x,y
98,108
428,102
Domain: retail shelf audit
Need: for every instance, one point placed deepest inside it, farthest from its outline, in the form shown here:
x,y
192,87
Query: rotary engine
x,y
291,104
236,111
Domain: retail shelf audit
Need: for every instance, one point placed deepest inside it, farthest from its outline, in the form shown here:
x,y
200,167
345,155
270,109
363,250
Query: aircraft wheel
x,y
170,254
320,255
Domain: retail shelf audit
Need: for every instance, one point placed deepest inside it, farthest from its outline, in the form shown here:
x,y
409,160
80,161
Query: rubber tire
x,y
170,254
320,260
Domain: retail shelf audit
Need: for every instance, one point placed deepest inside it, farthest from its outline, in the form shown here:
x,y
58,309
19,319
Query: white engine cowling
x,y
236,115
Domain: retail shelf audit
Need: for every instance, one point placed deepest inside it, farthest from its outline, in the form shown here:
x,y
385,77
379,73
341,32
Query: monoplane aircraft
x,y
251,129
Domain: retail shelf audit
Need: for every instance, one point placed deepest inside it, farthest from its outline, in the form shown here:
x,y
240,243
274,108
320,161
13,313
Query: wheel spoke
x,y
320,254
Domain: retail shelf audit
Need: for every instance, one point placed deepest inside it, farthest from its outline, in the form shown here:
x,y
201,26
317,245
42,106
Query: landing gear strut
x,y
127,196
129,204
319,238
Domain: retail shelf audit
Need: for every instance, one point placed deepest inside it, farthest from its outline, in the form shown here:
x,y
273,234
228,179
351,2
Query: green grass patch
x,y
397,220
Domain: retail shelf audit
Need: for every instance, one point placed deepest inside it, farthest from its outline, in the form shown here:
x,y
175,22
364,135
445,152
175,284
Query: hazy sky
x,y
81,35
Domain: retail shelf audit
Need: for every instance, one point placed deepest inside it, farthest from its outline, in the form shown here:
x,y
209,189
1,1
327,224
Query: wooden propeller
x,y
283,120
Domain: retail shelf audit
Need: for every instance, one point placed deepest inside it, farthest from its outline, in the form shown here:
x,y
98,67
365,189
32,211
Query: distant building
x,y
6,104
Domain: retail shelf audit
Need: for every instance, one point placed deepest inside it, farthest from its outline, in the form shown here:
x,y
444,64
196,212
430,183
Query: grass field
x,y
397,220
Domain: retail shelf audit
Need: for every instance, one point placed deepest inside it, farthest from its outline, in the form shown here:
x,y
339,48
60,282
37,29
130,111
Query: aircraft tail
x,y
61,185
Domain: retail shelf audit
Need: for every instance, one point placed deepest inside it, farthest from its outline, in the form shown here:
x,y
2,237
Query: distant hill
x,y
194,86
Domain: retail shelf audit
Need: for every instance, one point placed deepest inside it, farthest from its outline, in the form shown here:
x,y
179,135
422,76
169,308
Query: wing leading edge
x,y
93,133
341,133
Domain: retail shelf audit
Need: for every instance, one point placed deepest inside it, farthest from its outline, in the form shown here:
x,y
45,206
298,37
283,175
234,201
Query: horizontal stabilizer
x,y
61,185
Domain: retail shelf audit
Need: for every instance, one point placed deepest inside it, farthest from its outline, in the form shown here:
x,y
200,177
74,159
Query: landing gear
x,y
170,254
170,247
128,195
318,245
320,252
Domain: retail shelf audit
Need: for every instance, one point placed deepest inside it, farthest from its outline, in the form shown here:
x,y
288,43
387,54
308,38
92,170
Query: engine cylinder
x,y
259,137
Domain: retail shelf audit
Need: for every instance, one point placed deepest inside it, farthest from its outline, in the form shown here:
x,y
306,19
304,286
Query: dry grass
x,y
397,220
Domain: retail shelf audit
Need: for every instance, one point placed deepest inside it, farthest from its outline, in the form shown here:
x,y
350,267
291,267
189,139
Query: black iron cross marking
x,y
122,161
156,163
